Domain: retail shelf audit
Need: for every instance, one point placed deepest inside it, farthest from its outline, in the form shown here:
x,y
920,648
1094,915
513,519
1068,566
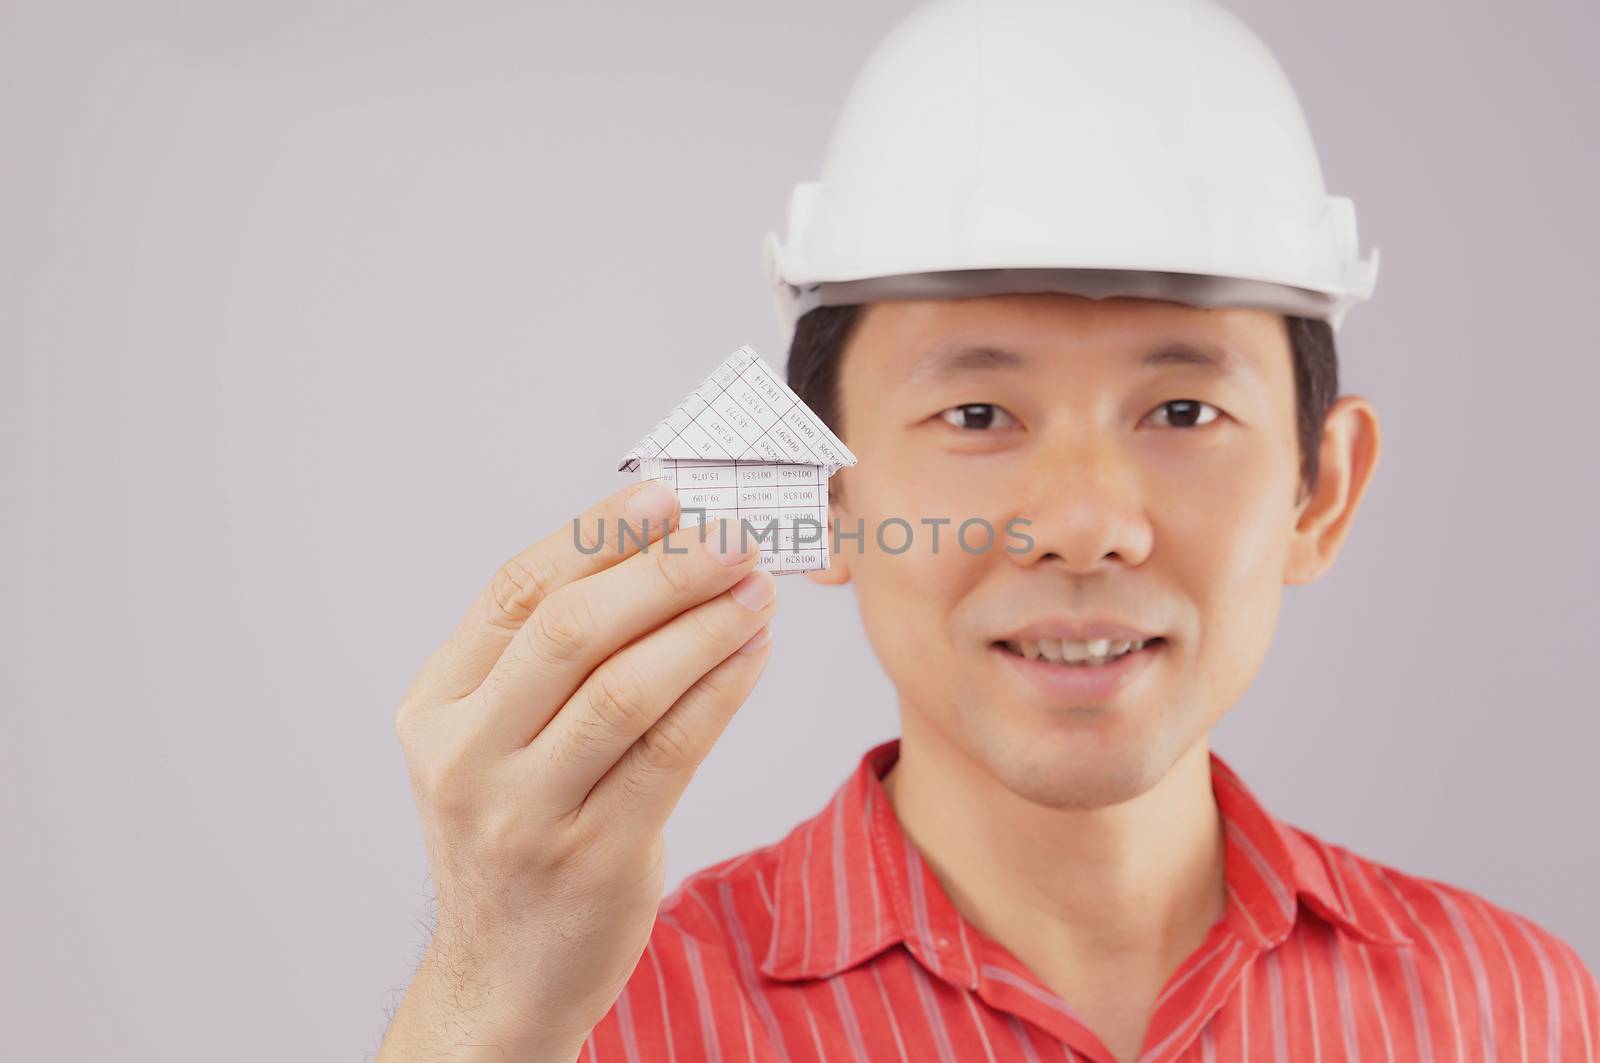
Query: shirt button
x,y
943,942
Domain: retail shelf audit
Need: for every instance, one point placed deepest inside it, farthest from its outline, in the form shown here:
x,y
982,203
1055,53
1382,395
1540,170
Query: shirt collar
x,y
850,884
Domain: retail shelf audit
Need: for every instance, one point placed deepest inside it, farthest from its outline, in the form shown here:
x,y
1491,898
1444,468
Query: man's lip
x,y
1079,631
1066,686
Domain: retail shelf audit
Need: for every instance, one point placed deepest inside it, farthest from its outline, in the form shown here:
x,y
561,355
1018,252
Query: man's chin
x,y
1074,759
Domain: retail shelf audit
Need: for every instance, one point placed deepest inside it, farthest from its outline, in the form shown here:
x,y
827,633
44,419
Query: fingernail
x,y
727,541
758,640
755,590
653,501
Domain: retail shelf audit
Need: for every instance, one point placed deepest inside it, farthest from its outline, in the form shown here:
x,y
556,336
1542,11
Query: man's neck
x,y
1134,886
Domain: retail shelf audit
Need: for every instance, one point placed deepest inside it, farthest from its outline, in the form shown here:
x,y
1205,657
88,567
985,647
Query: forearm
x,y
450,1016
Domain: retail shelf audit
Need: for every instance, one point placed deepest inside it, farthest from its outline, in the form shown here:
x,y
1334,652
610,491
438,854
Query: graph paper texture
x,y
785,507
743,446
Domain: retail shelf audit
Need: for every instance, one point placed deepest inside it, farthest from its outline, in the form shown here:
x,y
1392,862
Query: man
x,y
1099,324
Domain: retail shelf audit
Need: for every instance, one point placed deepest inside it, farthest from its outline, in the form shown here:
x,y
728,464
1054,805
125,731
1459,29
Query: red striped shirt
x,y
838,943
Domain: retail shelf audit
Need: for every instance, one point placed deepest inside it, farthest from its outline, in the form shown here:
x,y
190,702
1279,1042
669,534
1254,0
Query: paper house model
x,y
743,446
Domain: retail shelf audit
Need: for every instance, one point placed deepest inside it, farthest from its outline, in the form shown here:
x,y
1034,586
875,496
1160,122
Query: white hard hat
x,y
1098,147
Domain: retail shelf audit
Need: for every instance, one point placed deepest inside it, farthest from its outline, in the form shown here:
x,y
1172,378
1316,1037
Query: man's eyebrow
x,y
943,362
947,361
1219,360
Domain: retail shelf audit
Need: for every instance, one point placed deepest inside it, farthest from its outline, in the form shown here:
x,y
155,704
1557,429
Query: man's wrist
x,y
452,1013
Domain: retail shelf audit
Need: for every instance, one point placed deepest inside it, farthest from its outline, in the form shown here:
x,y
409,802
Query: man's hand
x,y
548,740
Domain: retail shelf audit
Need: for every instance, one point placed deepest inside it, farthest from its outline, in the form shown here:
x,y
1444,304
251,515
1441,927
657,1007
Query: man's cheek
x,y
1235,524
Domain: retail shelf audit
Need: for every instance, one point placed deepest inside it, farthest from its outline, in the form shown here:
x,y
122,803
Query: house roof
x,y
743,411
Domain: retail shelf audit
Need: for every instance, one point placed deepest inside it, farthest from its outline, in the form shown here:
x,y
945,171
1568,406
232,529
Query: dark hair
x,y
821,333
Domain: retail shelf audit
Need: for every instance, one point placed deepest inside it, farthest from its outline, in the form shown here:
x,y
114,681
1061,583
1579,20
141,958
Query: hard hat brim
x,y
1188,288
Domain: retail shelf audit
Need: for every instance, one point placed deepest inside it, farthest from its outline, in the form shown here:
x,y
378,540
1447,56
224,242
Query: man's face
x,y
1151,447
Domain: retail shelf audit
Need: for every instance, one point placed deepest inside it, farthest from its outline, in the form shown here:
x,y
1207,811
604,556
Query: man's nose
x,y
1082,497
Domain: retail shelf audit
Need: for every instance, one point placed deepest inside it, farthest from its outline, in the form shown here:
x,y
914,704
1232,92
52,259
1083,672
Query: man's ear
x,y
1346,461
837,574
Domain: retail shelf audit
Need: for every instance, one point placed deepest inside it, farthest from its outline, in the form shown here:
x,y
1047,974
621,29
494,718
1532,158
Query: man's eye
x,y
1187,413
977,416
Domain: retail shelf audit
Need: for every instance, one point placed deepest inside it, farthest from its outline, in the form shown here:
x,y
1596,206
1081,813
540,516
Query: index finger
x,y
610,531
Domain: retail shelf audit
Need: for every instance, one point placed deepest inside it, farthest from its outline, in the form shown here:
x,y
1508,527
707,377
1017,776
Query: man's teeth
x,y
1095,651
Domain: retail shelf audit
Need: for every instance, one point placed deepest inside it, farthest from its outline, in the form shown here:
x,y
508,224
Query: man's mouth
x,y
1070,653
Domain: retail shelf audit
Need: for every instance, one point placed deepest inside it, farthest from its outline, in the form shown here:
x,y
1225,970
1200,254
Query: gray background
x,y
301,304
